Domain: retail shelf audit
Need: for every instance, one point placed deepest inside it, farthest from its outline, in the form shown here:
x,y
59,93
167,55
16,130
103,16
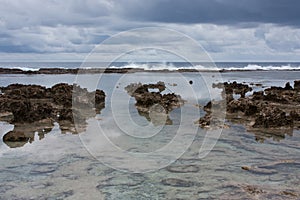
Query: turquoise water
x,y
84,166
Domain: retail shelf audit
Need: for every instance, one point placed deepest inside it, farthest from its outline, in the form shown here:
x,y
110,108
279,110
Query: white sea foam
x,y
26,68
185,66
172,67
252,67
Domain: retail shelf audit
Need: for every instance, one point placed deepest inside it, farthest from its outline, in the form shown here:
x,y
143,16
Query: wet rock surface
x,y
270,168
264,192
34,108
274,110
151,103
272,117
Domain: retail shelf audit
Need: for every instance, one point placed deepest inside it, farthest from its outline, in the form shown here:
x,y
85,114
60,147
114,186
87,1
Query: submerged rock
x,y
252,189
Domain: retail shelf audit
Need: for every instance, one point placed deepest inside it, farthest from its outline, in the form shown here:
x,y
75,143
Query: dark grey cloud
x,y
223,27
17,49
283,12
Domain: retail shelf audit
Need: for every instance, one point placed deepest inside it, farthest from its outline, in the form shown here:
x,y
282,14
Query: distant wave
x,y
172,67
251,67
181,66
26,68
154,67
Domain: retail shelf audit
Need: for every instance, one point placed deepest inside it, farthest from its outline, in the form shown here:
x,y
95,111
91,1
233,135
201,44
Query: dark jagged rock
x,y
205,120
229,89
62,94
245,105
27,111
272,117
297,85
288,86
66,104
258,95
251,189
148,101
275,97
207,107
275,110
29,103
295,115
19,91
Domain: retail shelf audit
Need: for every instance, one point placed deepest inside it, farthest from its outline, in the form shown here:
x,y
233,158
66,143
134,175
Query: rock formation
x,y
275,110
30,105
154,104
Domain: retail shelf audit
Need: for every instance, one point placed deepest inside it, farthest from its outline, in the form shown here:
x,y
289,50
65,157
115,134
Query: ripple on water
x,y
183,168
43,168
176,182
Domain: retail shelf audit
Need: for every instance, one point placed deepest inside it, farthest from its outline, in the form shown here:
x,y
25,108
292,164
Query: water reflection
x,y
25,133
156,118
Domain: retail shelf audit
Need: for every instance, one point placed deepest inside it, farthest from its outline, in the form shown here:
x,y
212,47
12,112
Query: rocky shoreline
x,y
34,108
66,71
108,70
273,111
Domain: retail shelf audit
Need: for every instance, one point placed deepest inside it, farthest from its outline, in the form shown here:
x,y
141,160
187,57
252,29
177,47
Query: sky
x,y
228,30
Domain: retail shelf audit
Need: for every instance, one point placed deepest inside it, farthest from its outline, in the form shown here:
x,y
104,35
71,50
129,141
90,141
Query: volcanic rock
x,y
272,117
63,103
149,97
275,110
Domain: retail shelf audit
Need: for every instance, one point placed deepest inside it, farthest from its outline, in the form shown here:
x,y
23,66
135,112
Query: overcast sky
x,y
229,30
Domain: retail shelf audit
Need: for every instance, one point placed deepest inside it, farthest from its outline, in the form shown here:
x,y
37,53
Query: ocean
x,y
212,66
122,155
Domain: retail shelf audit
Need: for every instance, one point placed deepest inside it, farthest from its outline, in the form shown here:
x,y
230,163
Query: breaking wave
x,y
173,67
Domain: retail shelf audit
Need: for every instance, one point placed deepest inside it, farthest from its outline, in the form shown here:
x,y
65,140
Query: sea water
x,y
65,166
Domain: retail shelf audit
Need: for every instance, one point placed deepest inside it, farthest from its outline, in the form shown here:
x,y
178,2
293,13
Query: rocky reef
x,y
274,110
35,108
152,104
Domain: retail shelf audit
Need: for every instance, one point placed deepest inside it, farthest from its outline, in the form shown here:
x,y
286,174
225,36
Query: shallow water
x,y
85,166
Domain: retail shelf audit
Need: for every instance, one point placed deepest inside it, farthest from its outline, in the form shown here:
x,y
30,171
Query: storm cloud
x,y
227,29
229,12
